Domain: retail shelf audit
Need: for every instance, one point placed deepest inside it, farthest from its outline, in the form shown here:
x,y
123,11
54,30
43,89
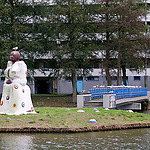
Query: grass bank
x,y
47,100
52,119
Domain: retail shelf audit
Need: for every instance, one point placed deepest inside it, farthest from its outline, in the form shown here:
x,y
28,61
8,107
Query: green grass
x,y
49,100
61,117
32,121
53,100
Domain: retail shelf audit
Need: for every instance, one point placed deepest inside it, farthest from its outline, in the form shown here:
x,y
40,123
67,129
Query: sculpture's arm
x,y
23,73
8,80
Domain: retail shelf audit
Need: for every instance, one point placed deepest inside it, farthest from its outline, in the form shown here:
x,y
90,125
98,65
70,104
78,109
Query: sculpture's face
x,y
14,56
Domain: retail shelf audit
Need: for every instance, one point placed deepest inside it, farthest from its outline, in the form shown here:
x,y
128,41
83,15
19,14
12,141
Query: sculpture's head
x,y
14,56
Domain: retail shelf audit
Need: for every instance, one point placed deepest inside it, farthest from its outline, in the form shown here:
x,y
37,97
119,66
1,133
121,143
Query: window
x,y
92,78
79,78
136,78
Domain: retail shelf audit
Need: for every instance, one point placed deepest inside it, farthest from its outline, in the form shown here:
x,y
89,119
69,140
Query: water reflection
x,y
15,142
109,140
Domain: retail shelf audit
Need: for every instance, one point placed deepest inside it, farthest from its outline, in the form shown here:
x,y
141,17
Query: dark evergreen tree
x,y
72,27
124,34
19,20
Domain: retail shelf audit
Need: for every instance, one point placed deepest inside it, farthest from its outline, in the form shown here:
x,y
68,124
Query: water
x,y
137,139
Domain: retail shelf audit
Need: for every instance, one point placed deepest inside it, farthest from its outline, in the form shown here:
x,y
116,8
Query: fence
x,y
120,92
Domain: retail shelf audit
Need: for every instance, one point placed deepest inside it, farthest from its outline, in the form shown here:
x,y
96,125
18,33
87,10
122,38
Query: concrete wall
x,y
136,83
89,84
65,87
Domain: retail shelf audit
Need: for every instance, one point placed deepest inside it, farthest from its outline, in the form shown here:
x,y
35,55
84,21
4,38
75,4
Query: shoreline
x,y
73,120
75,130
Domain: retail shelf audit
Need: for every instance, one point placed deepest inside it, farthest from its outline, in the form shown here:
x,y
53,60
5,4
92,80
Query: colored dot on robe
x,y
1,103
7,98
22,104
22,90
14,105
16,86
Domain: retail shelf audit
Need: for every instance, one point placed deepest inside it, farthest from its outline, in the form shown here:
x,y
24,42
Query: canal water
x,y
135,139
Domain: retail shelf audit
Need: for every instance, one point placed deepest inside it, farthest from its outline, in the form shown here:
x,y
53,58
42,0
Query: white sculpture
x,y
16,97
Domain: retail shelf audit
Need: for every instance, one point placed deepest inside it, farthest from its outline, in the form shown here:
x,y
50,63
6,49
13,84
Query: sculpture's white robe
x,y
16,97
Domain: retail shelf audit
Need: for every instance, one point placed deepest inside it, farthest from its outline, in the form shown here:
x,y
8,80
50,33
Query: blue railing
x,y
120,92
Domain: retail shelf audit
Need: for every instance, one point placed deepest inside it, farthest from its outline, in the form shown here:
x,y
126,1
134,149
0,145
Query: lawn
x,y
59,113
53,100
54,117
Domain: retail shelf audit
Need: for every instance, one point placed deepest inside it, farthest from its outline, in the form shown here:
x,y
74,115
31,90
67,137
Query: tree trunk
x,y
107,68
119,70
108,76
124,75
74,85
